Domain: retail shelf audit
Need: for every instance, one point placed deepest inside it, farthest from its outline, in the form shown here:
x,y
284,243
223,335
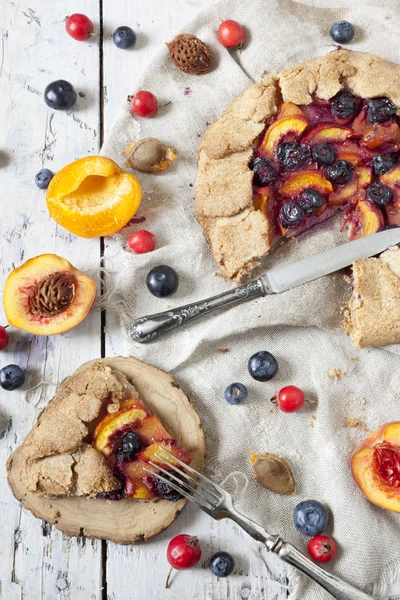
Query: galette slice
x,y
96,439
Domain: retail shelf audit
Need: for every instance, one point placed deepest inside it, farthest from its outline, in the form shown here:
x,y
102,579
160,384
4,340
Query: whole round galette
x,y
293,149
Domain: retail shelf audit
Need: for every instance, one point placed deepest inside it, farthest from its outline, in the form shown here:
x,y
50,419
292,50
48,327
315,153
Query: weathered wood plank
x,y
35,560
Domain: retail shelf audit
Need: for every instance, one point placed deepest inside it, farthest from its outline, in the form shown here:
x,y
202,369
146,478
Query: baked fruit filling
x,y
333,154
130,439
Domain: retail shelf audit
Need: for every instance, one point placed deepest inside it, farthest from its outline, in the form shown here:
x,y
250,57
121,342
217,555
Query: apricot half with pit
x,y
93,197
376,466
47,295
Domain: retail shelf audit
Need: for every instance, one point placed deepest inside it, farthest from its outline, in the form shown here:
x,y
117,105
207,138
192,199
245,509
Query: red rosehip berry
x,y
322,548
79,27
289,399
141,242
144,104
231,34
4,339
183,552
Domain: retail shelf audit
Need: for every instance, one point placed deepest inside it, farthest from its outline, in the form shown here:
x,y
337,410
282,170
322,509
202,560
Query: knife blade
x,y
148,328
328,261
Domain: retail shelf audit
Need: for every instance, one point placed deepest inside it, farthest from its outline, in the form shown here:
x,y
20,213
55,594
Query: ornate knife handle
x,y
150,327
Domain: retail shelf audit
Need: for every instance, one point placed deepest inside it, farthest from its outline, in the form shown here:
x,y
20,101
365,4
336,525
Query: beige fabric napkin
x,y
301,328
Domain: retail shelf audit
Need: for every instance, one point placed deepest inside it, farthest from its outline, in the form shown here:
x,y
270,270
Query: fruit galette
x,y
96,438
290,151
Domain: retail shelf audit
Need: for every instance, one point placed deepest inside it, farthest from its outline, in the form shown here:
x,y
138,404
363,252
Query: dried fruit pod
x,y
149,155
273,472
190,54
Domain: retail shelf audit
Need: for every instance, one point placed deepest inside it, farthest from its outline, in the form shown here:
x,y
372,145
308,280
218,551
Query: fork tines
x,y
187,481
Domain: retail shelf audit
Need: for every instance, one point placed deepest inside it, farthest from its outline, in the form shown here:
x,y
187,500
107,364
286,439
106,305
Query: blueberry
x,y
130,445
343,105
235,393
339,172
167,492
342,32
382,163
310,200
124,37
293,156
263,366
291,214
380,110
310,517
379,194
264,172
162,281
324,154
11,377
222,564
43,178
60,95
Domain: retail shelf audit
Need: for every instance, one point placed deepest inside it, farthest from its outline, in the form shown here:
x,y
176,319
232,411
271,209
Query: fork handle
x,y
335,586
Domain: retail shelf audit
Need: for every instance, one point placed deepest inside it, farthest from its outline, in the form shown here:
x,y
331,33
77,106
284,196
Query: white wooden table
x,y
36,561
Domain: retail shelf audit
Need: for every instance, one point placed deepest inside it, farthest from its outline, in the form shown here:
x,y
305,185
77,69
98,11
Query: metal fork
x,y
217,503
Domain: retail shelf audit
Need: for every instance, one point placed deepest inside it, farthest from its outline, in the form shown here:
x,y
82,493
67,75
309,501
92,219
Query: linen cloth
x,y
302,328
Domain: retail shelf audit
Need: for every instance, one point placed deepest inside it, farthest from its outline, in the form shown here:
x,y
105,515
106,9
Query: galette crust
x,y
373,314
224,180
55,458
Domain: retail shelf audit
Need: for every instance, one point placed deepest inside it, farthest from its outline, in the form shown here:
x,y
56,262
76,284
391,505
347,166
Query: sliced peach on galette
x,y
286,129
375,466
366,219
326,133
303,180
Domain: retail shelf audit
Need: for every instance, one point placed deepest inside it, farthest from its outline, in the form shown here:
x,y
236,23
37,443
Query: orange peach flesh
x,y
367,219
376,466
289,129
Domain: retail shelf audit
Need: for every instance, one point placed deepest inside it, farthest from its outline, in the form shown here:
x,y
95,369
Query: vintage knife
x,y
280,280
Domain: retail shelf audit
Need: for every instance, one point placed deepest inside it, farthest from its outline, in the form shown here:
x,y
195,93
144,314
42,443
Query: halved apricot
x,y
303,180
375,466
114,422
47,295
289,129
326,133
366,219
93,197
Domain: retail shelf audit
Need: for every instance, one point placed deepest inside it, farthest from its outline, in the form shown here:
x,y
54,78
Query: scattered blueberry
x,y
380,110
263,366
291,214
124,37
222,564
167,492
339,171
43,178
162,281
379,194
11,377
310,517
343,105
292,155
324,154
60,95
342,32
310,200
130,445
235,393
382,163
264,172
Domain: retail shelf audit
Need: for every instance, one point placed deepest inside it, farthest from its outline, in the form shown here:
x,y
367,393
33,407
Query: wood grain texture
x,y
37,562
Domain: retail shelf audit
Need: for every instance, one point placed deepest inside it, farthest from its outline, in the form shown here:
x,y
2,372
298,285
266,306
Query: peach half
x,y
288,129
93,197
47,295
375,466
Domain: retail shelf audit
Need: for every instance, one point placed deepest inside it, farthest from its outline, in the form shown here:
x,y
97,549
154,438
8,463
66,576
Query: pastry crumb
x,y
352,422
313,417
223,350
347,278
336,374
55,514
353,358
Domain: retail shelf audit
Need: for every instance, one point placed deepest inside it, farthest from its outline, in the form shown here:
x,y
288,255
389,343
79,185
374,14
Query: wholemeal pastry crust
x,y
372,317
239,235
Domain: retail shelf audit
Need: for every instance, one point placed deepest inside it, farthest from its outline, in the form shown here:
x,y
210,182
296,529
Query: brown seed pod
x,y
273,472
149,155
190,54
